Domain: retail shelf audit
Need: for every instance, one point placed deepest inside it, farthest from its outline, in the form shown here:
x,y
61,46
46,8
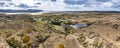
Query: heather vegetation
x,y
58,30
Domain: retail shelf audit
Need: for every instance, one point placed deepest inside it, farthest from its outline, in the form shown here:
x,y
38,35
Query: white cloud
x,y
107,4
53,6
27,2
115,1
59,5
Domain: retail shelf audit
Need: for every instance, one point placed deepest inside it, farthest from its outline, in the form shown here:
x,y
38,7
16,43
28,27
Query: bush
x,y
85,44
88,22
92,35
60,46
21,34
25,39
27,45
97,43
28,30
59,29
81,38
14,43
42,38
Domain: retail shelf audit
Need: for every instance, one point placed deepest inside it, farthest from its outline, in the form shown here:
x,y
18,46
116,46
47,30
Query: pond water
x,y
79,25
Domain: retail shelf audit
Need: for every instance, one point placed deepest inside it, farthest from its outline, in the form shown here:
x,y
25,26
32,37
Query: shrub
x,y
28,30
60,46
97,43
81,38
7,32
59,29
88,22
21,34
0,33
25,39
27,45
69,29
85,44
42,38
14,43
92,35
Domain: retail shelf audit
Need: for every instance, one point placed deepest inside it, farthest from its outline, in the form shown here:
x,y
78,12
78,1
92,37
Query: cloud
x,y
115,1
102,0
27,2
62,5
75,2
59,5
53,0
107,4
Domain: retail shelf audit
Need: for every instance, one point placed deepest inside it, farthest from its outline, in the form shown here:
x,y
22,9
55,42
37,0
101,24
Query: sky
x,y
62,5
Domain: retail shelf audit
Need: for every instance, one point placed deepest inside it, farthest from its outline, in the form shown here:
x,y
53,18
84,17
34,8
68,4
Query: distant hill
x,y
96,11
15,11
104,11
